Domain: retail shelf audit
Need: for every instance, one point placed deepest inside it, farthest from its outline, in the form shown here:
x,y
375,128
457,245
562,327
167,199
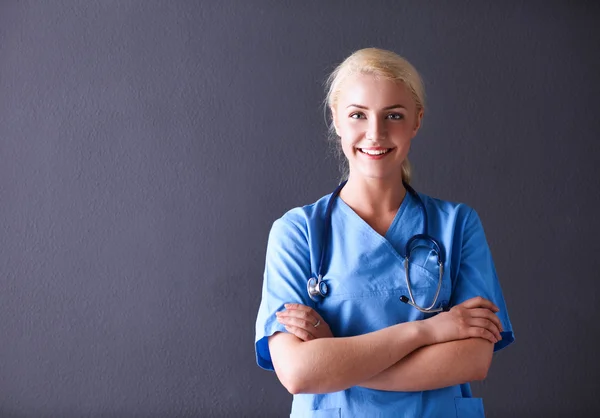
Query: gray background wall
x,y
147,146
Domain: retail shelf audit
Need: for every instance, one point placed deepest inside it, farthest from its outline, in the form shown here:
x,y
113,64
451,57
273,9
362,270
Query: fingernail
x,y
277,313
287,305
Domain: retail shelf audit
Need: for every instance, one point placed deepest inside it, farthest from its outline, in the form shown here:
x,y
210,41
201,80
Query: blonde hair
x,y
381,63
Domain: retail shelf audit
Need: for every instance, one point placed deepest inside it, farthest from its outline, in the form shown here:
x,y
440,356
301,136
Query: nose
x,y
376,129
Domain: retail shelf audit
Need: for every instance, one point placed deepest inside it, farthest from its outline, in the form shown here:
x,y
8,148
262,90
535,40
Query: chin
x,y
379,174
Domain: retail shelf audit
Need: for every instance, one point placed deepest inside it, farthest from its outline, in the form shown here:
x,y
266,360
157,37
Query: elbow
x,y
294,389
304,384
290,382
295,365
481,372
299,378
483,364
292,373
293,380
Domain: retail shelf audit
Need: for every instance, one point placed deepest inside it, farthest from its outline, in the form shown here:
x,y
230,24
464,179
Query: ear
x,y
418,122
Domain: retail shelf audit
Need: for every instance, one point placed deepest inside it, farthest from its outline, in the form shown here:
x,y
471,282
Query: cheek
x,y
347,143
402,128
403,133
346,148
349,135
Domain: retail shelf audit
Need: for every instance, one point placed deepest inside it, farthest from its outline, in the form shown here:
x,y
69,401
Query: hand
x,y
475,317
300,320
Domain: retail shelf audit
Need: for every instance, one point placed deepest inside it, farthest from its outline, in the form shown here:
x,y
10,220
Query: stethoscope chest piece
x,y
317,288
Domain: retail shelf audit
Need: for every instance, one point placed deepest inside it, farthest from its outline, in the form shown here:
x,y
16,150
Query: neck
x,y
374,196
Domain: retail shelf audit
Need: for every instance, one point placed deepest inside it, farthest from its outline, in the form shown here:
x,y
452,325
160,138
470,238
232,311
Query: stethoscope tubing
x,y
315,285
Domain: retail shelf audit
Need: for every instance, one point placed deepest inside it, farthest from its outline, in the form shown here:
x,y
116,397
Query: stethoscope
x,y
317,288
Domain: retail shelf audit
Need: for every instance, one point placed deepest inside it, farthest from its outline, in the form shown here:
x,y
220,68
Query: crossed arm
x,y
437,366
450,348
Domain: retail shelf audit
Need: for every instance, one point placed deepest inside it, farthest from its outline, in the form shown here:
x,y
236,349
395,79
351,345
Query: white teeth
x,y
373,152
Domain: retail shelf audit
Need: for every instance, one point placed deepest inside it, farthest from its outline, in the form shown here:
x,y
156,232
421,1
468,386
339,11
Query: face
x,y
376,119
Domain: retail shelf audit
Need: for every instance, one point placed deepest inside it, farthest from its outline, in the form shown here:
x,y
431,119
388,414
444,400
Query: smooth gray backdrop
x,y
146,147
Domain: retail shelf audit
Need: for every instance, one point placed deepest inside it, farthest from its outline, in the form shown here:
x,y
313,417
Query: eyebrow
x,y
394,106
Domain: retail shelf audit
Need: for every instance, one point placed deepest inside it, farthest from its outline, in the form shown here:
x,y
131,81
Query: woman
x,y
352,348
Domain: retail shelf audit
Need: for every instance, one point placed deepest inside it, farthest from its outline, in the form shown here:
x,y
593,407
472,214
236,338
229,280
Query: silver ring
x,y
317,323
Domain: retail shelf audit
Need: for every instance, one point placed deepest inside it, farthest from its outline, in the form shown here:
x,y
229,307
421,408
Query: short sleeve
x,y
287,270
477,275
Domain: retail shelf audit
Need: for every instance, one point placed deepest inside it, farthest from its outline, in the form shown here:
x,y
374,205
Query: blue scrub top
x,y
365,275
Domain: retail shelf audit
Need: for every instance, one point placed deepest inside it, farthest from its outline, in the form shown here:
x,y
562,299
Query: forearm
x,y
436,366
331,364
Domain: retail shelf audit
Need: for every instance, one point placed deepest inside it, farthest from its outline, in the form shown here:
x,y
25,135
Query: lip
x,y
374,148
374,157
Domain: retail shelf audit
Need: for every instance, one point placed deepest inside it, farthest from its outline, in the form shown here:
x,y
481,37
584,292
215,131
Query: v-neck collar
x,y
350,212
406,223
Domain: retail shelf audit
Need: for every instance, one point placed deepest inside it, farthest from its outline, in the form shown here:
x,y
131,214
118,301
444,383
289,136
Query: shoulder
x,y
459,214
300,220
446,207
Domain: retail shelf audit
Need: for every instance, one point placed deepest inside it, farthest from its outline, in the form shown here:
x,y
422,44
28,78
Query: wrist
x,y
425,333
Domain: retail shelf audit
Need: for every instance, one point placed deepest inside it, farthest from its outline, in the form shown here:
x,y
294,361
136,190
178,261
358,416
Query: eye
x,y
357,115
395,116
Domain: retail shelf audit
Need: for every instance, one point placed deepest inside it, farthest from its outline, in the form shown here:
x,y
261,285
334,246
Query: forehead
x,y
373,91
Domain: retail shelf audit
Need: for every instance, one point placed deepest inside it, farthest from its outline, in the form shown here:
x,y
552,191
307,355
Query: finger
x,y
487,324
292,314
310,312
295,313
479,302
486,313
299,332
298,306
311,316
308,325
482,333
296,323
304,308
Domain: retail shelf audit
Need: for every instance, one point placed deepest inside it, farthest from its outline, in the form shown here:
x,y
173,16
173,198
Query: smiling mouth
x,y
375,152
